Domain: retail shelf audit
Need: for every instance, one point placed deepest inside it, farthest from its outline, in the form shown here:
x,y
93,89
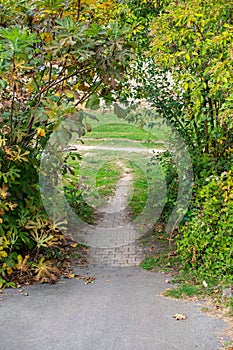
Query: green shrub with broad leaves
x,y
56,58
186,77
206,244
25,228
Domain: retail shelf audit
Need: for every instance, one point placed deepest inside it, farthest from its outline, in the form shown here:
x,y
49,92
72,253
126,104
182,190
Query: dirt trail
x,y
113,239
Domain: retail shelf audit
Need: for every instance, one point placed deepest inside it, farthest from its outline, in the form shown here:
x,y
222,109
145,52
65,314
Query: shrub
x,y
54,56
206,245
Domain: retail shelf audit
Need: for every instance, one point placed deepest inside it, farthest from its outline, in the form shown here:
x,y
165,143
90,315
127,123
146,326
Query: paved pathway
x,y
109,148
115,235
122,310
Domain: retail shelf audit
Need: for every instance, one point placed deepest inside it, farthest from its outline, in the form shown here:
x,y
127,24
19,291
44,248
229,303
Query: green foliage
x,y
73,189
139,14
187,79
186,76
73,193
195,46
206,244
55,56
169,168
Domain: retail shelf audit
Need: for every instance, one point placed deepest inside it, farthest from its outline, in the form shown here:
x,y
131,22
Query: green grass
x,y
109,126
160,261
148,263
228,345
121,142
98,181
121,131
107,179
184,290
140,190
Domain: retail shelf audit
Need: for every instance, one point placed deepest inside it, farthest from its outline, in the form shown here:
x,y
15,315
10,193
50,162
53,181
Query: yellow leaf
x,y
74,245
9,270
2,142
3,191
224,79
20,259
3,254
40,132
22,263
47,37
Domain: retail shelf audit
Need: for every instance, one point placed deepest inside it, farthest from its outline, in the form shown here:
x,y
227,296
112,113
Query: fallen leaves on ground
x,y
49,268
150,249
179,317
173,253
46,272
86,279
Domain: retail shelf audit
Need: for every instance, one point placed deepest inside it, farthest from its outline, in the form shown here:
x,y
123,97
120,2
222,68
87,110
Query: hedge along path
x,y
115,215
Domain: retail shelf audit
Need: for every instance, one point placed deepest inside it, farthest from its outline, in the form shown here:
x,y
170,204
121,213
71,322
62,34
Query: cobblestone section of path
x,y
117,232
127,255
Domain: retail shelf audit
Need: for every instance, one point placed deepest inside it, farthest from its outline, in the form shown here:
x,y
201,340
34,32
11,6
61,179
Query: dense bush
x,y
24,226
206,244
186,77
54,57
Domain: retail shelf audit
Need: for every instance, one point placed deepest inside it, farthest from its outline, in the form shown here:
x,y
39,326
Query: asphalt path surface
x,y
121,310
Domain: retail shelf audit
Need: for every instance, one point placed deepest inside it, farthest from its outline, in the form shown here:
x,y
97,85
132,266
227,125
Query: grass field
x,y
98,173
109,127
122,131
